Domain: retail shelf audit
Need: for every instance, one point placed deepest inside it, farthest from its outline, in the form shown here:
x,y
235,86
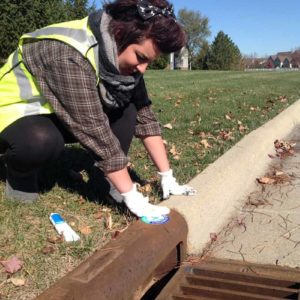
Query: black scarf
x,y
116,90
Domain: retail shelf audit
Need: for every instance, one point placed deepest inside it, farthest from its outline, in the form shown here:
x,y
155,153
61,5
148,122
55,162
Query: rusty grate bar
x,y
217,279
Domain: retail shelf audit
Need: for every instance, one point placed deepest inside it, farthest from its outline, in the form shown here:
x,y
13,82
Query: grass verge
x,y
205,113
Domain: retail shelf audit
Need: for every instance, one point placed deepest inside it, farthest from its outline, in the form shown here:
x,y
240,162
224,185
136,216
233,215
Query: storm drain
x,y
233,281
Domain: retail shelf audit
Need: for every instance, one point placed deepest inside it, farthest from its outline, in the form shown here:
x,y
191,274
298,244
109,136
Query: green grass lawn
x,y
208,113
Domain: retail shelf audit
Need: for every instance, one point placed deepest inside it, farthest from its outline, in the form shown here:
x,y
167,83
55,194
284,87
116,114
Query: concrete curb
x,y
223,185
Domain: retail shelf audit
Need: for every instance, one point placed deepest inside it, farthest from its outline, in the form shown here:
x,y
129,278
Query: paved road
x,y
267,229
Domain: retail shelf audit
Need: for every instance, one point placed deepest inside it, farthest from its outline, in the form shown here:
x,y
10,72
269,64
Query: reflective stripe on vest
x,y
74,33
19,92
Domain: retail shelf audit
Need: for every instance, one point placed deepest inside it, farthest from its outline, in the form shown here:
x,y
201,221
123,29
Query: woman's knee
x,y
32,142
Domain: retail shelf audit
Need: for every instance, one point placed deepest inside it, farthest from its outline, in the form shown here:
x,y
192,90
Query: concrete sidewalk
x,y
267,229
224,186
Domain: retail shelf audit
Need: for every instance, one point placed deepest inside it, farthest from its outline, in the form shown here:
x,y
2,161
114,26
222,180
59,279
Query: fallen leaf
x,y
174,152
147,188
284,148
17,281
278,173
266,180
242,128
169,126
205,143
48,250
226,135
202,134
106,209
81,200
98,215
213,236
177,103
108,221
115,234
55,239
13,265
282,99
86,230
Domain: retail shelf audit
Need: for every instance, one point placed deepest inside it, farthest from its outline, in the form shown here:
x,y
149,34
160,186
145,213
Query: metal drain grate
x,y
233,281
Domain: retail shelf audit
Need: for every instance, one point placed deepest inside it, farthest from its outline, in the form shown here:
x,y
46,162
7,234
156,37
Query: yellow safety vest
x,y
20,94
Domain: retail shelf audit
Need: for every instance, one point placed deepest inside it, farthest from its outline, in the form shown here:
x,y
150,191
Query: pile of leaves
x,y
282,149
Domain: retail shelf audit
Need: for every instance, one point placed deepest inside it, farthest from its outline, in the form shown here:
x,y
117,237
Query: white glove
x,y
140,206
171,187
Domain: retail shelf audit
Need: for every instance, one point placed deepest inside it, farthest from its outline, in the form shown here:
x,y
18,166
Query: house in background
x,y
296,59
282,60
180,60
270,62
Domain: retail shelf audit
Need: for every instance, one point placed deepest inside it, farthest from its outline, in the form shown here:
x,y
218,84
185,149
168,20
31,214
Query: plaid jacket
x,y
68,82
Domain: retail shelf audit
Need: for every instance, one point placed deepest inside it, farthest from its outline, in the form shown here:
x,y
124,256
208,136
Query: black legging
x,y
33,141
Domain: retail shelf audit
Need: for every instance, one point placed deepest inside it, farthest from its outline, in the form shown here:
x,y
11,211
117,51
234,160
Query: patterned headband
x,y
146,10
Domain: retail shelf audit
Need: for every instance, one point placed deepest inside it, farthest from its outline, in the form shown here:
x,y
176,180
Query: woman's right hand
x,y
140,206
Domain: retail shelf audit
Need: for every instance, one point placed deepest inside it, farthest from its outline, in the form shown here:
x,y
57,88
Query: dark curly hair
x,y
129,28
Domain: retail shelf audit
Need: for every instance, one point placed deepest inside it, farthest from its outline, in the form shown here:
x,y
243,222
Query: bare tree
x,y
197,29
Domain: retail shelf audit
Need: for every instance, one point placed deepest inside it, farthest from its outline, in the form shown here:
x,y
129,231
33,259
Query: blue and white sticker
x,y
155,220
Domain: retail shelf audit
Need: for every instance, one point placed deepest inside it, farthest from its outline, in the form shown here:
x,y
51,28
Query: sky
x,y
260,27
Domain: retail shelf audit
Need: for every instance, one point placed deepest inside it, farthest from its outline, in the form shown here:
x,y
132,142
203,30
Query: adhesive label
x,y
155,220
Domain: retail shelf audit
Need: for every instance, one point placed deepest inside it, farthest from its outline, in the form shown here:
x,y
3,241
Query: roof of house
x,y
286,53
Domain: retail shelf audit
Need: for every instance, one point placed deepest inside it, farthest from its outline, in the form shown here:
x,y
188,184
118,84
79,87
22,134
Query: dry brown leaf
x,y
12,265
266,180
147,188
177,103
81,200
278,173
48,250
118,232
284,148
86,230
169,126
228,117
205,143
108,221
282,99
115,234
174,152
17,281
55,239
213,236
242,128
98,215
226,135
202,134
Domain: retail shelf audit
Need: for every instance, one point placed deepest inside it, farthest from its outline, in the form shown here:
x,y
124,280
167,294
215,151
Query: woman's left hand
x,y
171,187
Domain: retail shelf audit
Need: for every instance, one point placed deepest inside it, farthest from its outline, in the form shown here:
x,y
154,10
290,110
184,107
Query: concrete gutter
x,y
223,185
